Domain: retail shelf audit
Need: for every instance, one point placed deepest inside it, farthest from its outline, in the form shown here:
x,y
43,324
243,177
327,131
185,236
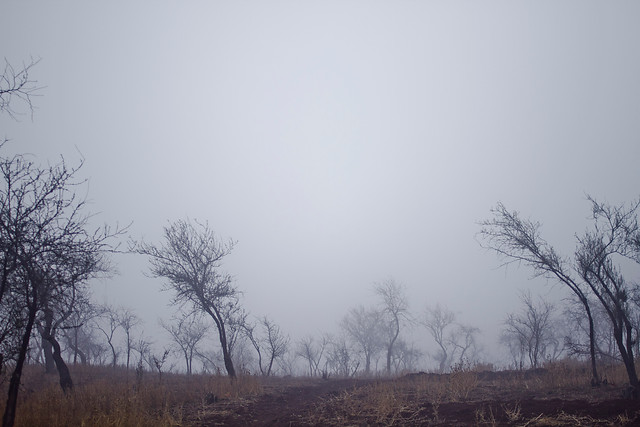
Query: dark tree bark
x,y
615,232
190,260
8,419
63,371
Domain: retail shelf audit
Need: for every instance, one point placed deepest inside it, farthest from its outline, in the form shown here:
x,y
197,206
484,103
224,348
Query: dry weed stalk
x,y
106,396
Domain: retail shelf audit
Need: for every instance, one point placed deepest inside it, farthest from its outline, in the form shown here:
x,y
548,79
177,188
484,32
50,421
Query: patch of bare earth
x,y
458,399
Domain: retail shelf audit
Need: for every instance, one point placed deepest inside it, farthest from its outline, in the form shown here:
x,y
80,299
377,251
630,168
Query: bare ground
x,y
424,399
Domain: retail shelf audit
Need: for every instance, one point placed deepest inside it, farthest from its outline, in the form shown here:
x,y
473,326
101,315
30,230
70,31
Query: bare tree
x,y
142,346
405,356
364,327
312,352
576,338
396,310
533,330
187,331
454,340
108,322
128,321
77,331
438,320
340,357
17,83
48,256
615,235
518,240
270,343
190,260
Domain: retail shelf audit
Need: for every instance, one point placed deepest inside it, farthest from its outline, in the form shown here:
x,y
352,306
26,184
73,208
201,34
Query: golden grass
x,y
421,399
114,397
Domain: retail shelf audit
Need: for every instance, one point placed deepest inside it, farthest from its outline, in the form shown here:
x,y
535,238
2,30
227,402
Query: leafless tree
x,y
77,330
438,321
455,341
615,236
17,83
576,338
396,311
365,328
108,322
190,260
312,352
128,322
405,356
187,331
142,346
518,240
341,358
47,256
269,342
533,331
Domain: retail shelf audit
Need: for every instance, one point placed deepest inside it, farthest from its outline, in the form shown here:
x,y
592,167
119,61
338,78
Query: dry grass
x,y
491,398
115,397
104,396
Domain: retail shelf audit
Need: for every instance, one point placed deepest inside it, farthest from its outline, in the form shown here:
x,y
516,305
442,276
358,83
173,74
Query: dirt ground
x,y
369,402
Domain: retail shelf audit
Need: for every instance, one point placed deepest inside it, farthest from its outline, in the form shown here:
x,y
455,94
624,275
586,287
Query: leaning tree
x,y
595,270
189,259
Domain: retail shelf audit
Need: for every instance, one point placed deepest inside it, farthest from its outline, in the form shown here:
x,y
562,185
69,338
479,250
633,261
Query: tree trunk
x,y
228,363
76,351
595,379
47,349
9,416
49,363
63,371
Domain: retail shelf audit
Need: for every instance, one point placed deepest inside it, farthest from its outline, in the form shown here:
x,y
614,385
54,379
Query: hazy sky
x,y
339,142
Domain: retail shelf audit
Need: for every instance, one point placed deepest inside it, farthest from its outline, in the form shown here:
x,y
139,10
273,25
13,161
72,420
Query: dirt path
x,y
280,406
336,402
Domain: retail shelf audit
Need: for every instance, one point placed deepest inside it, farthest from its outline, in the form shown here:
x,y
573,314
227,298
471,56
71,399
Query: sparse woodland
x,y
67,360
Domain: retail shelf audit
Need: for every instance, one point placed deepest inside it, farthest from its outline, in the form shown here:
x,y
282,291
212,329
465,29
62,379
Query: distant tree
x,y
142,345
438,320
405,356
312,352
17,83
128,321
77,330
533,331
454,340
396,312
364,327
187,331
190,260
108,322
341,358
576,337
269,342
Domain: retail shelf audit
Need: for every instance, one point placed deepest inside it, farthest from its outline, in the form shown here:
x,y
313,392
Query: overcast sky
x,y
339,142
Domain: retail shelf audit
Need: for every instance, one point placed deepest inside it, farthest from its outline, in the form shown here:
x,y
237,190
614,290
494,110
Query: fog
x,y
340,143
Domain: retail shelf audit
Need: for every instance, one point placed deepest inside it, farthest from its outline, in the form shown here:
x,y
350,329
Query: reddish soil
x,y
295,402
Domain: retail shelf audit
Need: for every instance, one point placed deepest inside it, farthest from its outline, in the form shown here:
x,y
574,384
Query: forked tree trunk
x,y
63,371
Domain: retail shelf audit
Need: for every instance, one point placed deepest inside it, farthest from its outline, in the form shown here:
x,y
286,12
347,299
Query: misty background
x,y
339,143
